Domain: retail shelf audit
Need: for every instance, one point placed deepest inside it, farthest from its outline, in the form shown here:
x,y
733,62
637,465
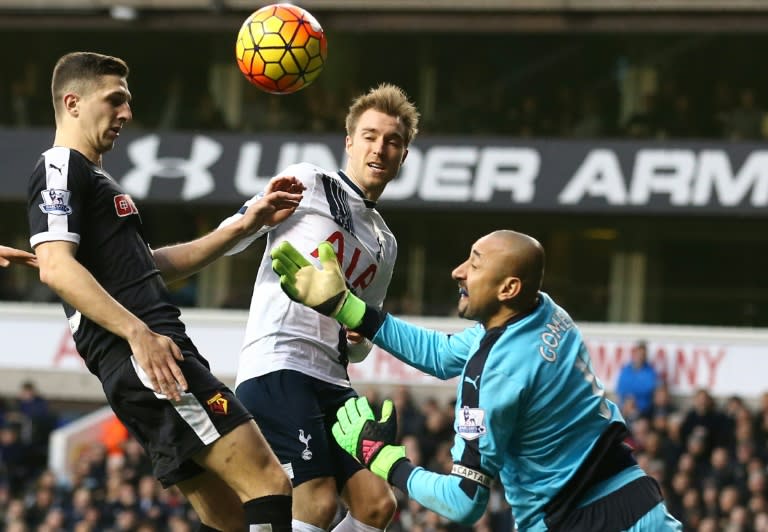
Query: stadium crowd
x,y
709,458
646,103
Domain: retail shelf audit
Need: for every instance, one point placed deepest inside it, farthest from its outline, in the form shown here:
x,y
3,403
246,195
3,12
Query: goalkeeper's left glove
x,y
323,290
369,441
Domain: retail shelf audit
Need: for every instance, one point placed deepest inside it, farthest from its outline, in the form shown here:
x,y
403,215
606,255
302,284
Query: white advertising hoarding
x,y
726,361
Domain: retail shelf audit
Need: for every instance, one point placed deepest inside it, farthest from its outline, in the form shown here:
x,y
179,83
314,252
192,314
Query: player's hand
x,y
369,441
323,290
157,356
358,347
281,198
10,256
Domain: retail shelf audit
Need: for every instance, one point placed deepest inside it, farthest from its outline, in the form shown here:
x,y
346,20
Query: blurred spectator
x,y
745,121
149,503
721,471
637,380
663,404
529,121
208,116
589,122
38,423
409,420
682,122
437,429
39,502
761,422
13,458
644,122
704,418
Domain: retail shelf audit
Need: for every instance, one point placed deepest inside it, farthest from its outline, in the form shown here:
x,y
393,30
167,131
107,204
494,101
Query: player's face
x,y
376,150
479,279
103,111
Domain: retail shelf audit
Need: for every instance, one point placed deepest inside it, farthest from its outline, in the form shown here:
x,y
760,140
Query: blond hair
x,y
388,99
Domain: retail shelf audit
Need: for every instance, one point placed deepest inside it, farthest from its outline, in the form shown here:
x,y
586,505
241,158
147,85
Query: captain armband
x,y
471,474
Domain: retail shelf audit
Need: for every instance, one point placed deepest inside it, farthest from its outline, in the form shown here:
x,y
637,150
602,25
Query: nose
x,y
125,113
458,272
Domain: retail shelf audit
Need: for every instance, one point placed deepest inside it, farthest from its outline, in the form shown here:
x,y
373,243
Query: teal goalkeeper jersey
x,y
529,409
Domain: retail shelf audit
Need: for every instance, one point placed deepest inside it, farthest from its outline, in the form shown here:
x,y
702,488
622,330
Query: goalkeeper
x,y
529,408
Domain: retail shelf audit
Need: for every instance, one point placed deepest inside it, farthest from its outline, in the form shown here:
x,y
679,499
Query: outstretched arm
x,y
10,256
280,200
325,290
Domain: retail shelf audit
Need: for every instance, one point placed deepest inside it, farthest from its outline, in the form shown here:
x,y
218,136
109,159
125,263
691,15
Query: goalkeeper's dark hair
x,y
388,99
80,71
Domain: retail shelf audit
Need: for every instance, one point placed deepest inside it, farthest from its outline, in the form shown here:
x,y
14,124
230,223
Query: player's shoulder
x,y
307,172
59,157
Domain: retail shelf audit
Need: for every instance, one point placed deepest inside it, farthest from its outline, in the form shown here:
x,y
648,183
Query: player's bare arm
x,y
10,256
282,196
156,354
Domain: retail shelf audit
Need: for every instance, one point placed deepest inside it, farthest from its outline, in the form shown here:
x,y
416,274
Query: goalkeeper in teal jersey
x,y
529,408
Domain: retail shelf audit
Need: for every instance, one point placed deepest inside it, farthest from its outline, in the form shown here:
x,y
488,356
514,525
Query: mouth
x,y
463,292
377,167
116,130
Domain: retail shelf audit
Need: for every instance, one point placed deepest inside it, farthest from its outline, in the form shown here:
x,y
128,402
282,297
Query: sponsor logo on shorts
x,y
218,404
306,454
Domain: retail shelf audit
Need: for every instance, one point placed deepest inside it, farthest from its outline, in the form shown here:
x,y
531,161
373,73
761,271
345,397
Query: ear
x,y
509,288
405,154
347,143
71,102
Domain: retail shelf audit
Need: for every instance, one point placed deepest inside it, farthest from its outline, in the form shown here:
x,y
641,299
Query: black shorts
x,y
171,433
295,412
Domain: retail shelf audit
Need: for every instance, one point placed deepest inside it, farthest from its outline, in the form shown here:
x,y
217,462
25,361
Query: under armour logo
x,y
58,169
306,454
473,382
198,181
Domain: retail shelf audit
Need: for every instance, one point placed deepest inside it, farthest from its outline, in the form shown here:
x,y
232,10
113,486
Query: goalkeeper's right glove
x,y
369,441
323,290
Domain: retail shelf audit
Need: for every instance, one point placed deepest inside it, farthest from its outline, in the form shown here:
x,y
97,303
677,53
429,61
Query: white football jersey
x,y
283,334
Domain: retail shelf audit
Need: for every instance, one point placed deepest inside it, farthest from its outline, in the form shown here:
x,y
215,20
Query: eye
x,y
117,100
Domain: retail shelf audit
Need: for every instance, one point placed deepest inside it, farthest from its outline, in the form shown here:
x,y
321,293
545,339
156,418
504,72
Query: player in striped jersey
x,y
87,235
529,408
292,373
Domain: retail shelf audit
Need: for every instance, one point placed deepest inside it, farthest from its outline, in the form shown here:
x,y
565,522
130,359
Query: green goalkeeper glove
x,y
367,440
323,290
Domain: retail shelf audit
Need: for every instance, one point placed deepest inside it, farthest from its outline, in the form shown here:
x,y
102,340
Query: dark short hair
x,y
77,70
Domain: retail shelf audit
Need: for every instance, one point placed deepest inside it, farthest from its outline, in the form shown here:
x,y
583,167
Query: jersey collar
x,y
368,203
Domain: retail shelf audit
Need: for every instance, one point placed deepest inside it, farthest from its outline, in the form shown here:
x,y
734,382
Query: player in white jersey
x,y
292,374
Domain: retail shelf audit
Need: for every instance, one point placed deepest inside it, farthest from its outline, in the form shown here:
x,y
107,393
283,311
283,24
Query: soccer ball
x,y
281,48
